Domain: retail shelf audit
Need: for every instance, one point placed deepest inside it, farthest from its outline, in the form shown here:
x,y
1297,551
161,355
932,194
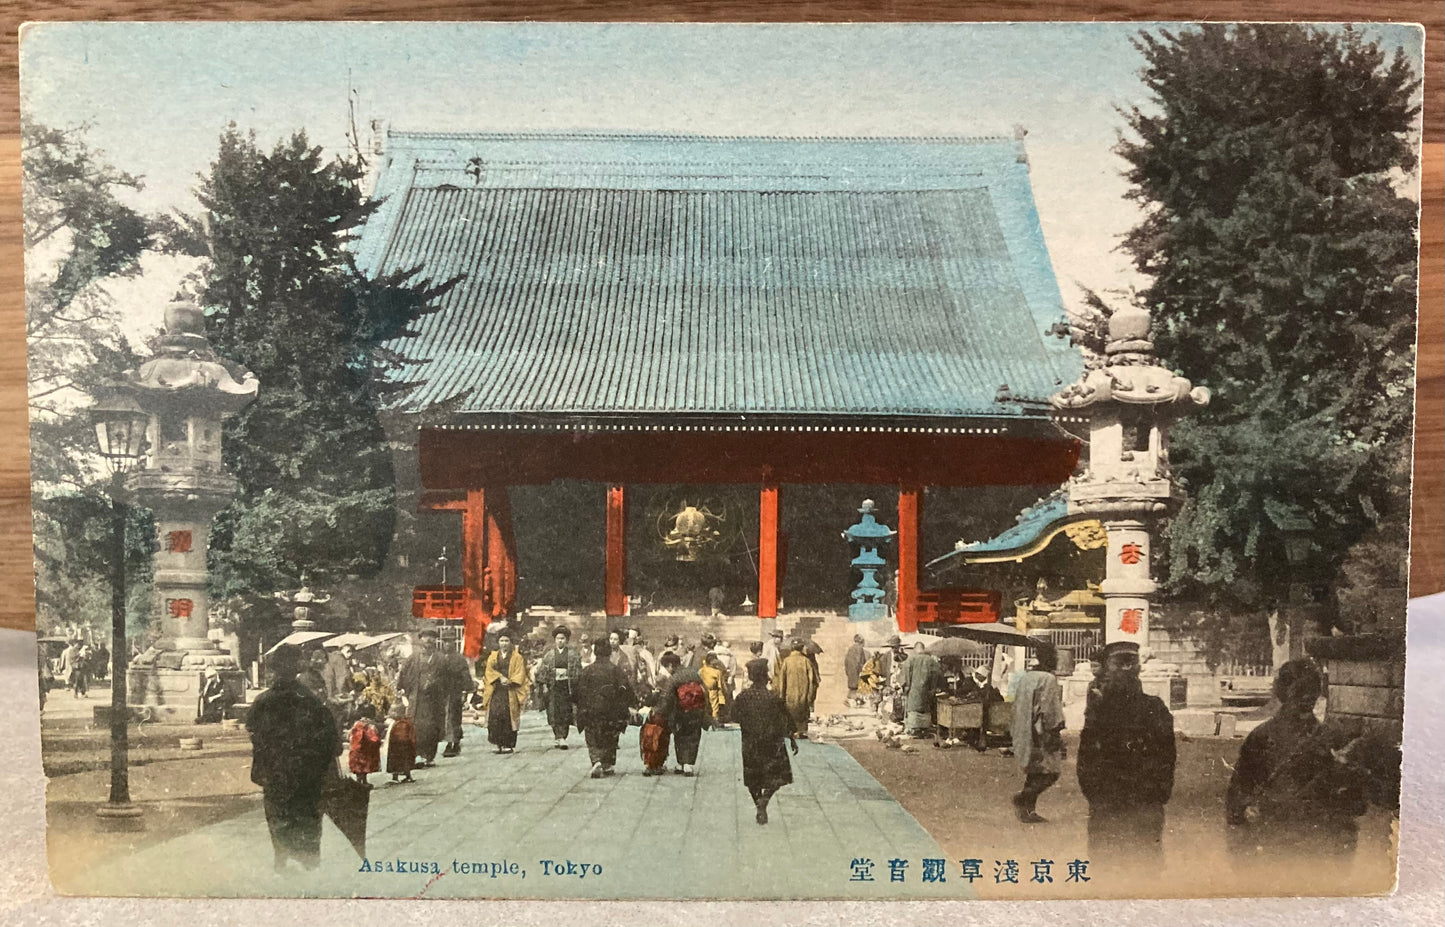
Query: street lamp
x,y
120,434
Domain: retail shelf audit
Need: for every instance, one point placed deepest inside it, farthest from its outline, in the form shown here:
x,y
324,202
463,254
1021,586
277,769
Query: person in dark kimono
x,y
853,662
294,743
604,700
505,685
765,724
1126,763
557,678
313,674
1296,794
423,680
700,652
684,704
459,687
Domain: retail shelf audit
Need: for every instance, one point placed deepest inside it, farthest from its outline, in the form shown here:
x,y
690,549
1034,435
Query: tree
x,y
1283,261
78,236
283,297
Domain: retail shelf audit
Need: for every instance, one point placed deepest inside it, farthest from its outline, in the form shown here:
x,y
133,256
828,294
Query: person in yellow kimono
x,y
719,689
504,675
796,683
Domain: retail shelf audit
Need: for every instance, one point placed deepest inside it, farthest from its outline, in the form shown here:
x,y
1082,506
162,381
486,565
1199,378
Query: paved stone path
x,y
669,837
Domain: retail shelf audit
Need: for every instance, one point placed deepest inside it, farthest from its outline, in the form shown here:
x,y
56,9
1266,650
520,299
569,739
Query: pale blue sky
x,y
158,95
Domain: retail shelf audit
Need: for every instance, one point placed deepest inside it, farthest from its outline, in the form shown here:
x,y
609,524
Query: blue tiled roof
x,y
644,274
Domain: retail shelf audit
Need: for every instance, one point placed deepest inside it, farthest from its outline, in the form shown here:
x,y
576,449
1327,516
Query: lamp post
x,y
120,429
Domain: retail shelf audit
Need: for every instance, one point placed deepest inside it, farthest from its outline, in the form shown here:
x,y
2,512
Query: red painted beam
x,y
768,551
615,594
910,505
456,459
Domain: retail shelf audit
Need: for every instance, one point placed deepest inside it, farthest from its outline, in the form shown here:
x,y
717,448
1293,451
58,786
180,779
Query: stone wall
x,y
1366,675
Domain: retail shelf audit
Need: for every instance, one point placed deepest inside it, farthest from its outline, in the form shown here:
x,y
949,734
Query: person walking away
x,y
715,682
100,662
365,756
294,742
400,744
700,652
1037,722
796,683
922,675
1296,794
557,677
422,680
1126,763
812,651
653,740
853,662
740,680
604,699
765,723
684,705
460,685
504,692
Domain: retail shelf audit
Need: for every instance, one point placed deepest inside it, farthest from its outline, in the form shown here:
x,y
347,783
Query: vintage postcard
x,y
721,462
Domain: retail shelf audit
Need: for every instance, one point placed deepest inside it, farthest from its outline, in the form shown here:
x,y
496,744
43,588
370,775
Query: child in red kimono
x,y
400,744
365,755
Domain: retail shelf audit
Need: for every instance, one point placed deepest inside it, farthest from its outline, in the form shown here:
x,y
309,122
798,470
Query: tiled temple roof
x,y
656,275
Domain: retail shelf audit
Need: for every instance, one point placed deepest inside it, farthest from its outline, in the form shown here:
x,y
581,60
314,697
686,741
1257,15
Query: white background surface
x,y
27,899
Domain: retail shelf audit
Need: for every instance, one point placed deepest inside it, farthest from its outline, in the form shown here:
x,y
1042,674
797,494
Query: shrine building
x,y
639,309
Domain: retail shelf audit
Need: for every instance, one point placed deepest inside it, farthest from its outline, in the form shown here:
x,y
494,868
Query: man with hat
x,y
1126,762
423,680
338,674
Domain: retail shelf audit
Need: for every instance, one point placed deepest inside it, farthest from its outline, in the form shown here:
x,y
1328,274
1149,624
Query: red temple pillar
x,y
910,506
615,596
476,612
768,551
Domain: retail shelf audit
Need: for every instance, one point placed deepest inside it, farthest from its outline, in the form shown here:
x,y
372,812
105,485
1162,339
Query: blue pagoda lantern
x,y
868,535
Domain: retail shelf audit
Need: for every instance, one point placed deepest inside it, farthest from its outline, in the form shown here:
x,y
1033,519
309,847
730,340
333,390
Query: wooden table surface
x,y
1427,568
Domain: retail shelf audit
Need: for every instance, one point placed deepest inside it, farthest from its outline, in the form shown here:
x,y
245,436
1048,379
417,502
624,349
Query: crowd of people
x,y
1297,781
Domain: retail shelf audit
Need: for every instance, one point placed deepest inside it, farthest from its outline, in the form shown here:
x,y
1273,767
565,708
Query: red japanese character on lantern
x,y
180,608
178,542
1130,553
1130,619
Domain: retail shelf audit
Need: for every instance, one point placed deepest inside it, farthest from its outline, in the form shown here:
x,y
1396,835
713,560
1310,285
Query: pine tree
x,y
1283,259
283,297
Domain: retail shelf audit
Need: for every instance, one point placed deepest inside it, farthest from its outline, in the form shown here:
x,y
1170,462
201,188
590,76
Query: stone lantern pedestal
x,y
187,392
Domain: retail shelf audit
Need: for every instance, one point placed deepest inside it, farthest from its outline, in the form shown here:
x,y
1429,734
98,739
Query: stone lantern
x,y
868,536
1130,401
186,390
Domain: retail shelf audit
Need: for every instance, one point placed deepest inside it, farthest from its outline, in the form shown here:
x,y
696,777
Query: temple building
x,y
689,336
